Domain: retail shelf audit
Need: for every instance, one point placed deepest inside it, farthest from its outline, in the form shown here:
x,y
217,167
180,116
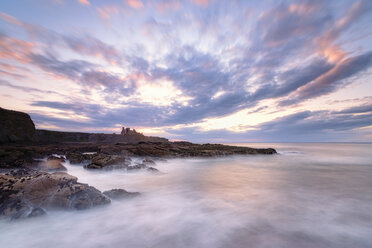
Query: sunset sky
x,y
197,70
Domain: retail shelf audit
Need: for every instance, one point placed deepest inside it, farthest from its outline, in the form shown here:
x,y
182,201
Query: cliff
x,y
46,136
16,127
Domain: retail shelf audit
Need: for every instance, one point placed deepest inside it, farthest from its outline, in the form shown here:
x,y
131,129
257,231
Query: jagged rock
x,y
148,161
120,193
17,157
75,158
23,190
136,167
101,161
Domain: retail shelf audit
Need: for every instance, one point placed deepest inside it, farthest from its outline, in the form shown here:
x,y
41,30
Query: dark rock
x,y
152,169
120,193
36,212
136,167
101,161
16,127
16,157
47,136
187,149
93,166
23,190
75,158
148,161
104,160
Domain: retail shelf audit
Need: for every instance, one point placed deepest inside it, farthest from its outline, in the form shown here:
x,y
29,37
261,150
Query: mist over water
x,y
311,195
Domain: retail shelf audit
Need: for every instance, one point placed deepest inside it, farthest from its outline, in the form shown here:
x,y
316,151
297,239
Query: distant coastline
x,y
34,179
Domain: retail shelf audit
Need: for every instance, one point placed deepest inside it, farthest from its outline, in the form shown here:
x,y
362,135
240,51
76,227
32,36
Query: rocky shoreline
x,y
23,156
33,178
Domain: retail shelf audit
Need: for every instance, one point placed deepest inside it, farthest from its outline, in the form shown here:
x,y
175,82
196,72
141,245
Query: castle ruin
x,y
128,131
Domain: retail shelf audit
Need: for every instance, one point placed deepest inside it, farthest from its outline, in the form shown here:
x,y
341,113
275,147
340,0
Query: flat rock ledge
x,y
120,194
29,193
112,155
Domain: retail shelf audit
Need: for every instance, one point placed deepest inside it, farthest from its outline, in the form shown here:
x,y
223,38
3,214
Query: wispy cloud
x,y
108,11
136,4
201,2
85,2
184,64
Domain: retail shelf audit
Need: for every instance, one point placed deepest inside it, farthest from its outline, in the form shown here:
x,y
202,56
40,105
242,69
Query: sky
x,y
196,70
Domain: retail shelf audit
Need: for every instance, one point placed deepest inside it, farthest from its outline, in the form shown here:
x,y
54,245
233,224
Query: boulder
x,y
101,160
75,158
120,193
23,191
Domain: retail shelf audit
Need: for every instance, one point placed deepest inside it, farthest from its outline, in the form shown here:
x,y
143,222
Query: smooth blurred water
x,y
311,195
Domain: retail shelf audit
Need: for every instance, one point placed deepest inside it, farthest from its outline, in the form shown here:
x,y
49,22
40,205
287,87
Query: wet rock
x,y
75,158
36,212
53,157
23,190
136,167
106,161
148,161
16,158
152,169
187,149
52,165
120,193
103,159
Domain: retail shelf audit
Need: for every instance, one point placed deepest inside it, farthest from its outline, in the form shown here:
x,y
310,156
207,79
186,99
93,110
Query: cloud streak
x,y
158,64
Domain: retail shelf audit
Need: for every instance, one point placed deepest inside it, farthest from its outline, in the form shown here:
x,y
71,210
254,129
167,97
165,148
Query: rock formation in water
x,y
120,194
31,192
23,191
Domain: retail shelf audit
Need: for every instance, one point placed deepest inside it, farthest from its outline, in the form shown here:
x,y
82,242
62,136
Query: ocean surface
x,y
309,195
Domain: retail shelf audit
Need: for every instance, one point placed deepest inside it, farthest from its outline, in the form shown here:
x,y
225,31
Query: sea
x,y
315,195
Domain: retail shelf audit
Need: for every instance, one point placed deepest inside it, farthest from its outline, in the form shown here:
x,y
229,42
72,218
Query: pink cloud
x,y
168,6
203,3
136,4
10,19
325,43
106,12
11,48
303,8
85,2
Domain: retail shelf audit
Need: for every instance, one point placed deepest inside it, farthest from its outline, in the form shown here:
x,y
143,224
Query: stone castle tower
x,y
127,131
